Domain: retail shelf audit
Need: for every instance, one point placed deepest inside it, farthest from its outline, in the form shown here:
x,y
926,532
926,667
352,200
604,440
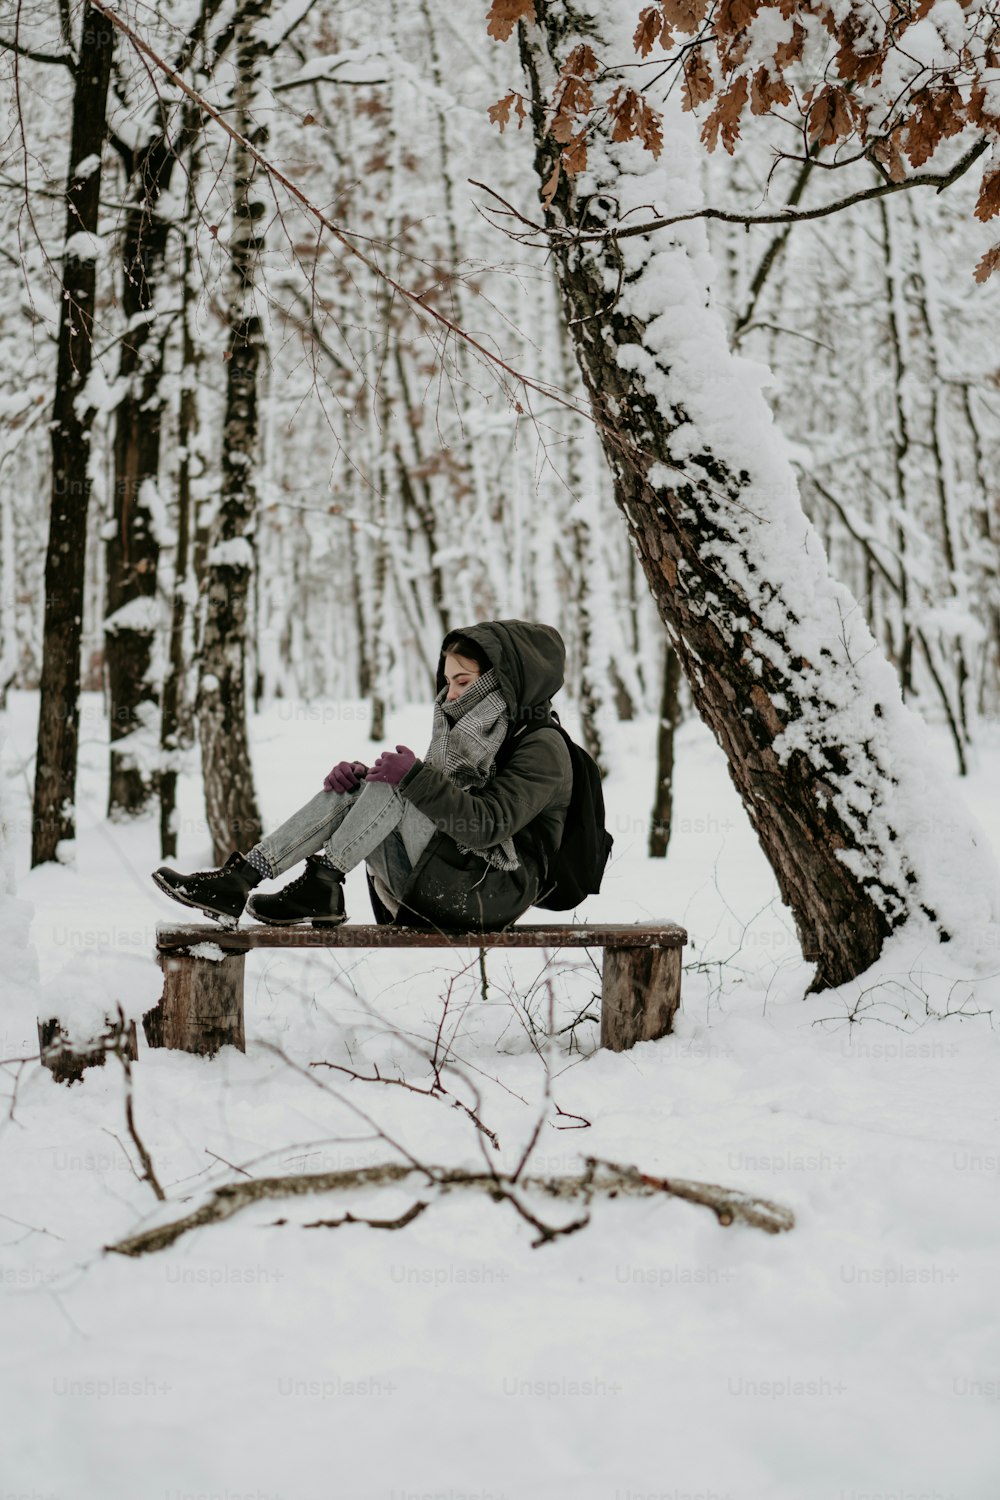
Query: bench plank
x,y
242,939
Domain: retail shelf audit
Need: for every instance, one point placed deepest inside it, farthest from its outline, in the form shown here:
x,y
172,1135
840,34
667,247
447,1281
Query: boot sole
x,y
224,918
296,921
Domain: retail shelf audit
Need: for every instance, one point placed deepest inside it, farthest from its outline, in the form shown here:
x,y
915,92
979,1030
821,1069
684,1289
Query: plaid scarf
x,y
466,736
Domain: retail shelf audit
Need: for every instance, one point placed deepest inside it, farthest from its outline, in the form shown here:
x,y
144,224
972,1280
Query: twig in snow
x,y
119,1050
20,1063
413,1212
31,1228
436,1090
610,1179
232,1167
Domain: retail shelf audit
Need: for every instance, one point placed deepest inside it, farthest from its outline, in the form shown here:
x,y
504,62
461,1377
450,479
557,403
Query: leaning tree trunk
x,y
780,662
230,802
54,817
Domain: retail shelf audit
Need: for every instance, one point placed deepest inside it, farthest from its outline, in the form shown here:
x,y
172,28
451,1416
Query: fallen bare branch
x,y
232,1196
610,1179
728,1204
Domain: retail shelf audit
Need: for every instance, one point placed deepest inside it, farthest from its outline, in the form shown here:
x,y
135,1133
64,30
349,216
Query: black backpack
x,y
576,868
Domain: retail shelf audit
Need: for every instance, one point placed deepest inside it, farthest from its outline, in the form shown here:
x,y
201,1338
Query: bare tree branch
x,y
552,233
435,1091
62,59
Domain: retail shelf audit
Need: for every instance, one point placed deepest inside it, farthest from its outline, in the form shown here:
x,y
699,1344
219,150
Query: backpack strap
x,y
510,744
529,841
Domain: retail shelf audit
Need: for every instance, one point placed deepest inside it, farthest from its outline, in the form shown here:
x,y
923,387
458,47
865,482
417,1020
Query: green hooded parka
x,y
527,801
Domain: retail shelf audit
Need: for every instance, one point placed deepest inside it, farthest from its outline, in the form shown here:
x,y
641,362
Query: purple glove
x,y
392,765
345,777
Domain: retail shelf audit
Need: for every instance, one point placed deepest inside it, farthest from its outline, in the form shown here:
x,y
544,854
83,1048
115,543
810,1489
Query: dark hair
x,y
457,644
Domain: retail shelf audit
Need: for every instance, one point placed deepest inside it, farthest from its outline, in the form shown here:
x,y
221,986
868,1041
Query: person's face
x,y
459,673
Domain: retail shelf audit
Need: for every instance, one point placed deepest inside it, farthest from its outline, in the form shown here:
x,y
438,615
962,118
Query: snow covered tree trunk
x,y
54,817
8,592
917,441
985,523
20,964
898,345
133,549
953,595
782,666
230,801
174,709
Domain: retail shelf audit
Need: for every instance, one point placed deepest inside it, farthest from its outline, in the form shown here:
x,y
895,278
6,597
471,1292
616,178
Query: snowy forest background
x,y
402,482
396,488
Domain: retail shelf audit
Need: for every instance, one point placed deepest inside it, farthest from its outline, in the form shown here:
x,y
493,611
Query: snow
x,y
652,1352
152,501
19,970
144,613
83,245
97,982
952,622
211,951
88,166
14,404
371,64
235,553
278,24
100,394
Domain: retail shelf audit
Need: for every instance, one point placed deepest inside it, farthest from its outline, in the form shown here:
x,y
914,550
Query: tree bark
x,y
903,650
54,817
986,525
670,717
175,717
230,801
133,550
201,1008
781,665
960,711
640,994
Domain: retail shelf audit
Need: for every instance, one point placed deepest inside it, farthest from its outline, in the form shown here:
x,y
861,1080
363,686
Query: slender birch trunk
x,y
230,800
132,553
668,724
985,522
960,704
175,725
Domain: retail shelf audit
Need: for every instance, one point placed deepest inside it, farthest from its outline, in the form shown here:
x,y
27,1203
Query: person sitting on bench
x,y
448,842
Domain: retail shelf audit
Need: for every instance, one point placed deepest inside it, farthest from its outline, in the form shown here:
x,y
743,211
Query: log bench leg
x,y
640,993
67,1061
201,1008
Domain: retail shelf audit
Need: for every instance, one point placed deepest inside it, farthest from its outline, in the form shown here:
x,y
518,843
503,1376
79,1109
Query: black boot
x,y
317,896
219,893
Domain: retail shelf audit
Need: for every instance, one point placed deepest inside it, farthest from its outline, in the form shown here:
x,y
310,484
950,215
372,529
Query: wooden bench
x,y
201,1008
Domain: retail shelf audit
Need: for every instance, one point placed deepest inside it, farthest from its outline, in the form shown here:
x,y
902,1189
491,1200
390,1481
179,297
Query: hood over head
x,y
529,659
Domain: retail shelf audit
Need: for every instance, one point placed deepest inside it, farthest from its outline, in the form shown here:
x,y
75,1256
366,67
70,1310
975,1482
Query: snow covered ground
x,y
651,1354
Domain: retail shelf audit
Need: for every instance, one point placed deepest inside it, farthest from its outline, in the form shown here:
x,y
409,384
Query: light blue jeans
x,y
374,823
